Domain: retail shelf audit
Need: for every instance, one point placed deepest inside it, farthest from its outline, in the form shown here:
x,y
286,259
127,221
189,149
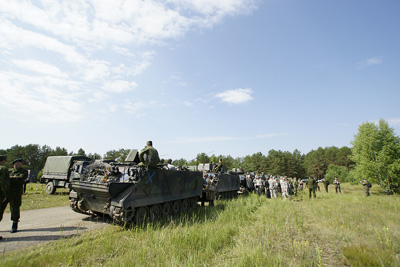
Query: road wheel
x,y
141,216
193,203
155,212
50,188
176,207
166,209
185,205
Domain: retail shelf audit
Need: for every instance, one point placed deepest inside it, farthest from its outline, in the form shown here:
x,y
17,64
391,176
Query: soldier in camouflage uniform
x,y
17,180
365,187
149,156
311,184
4,185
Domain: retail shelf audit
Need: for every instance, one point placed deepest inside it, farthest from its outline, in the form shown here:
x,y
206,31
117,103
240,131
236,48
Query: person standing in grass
x,y
366,187
273,187
295,185
285,188
311,184
336,182
326,184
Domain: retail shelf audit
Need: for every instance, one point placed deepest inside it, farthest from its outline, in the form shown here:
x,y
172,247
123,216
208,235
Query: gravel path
x,y
43,225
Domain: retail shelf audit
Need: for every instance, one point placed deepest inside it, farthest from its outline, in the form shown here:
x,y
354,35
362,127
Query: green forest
x,y
374,155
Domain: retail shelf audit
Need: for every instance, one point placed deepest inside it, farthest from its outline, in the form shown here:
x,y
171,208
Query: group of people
x,y
273,185
11,189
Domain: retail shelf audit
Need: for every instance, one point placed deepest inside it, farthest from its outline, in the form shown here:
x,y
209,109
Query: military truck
x,y
133,194
59,171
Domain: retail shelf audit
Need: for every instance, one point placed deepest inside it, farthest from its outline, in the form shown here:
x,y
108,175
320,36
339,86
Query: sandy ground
x,y
43,225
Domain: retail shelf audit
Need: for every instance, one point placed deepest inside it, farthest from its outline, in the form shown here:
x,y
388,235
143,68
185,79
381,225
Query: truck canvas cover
x,y
60,164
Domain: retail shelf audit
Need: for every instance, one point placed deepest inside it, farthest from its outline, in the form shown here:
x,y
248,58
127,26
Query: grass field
x,y
333,230
36,197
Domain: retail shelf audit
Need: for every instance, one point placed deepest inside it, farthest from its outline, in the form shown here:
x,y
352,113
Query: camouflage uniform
x,y
273,187
311,184
17,179
295,186
365,187
149,157
210,194
4,183
337,185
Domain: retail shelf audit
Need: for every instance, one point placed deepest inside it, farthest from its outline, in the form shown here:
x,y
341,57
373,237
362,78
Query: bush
x,y
340,172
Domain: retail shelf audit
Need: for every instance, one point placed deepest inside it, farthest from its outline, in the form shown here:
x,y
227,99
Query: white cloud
x,y
138,109
41,101
236,96
39,67
72,48
119,86
370,62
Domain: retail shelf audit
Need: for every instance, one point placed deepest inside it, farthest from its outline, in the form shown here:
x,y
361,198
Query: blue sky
x,y
230,77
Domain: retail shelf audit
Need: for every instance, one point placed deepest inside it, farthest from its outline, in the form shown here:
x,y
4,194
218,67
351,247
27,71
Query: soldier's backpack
x,y
369,185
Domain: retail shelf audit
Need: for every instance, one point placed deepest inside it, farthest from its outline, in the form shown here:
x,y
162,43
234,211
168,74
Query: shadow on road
x,y
54,229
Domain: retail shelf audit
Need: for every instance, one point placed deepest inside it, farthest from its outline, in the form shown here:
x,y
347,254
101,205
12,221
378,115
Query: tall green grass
x,y
332,230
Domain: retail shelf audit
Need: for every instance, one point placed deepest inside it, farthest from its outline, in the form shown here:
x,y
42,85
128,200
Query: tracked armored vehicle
x,y
228,184
133,194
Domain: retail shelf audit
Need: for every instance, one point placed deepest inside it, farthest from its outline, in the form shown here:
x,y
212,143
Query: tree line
x,y
375,155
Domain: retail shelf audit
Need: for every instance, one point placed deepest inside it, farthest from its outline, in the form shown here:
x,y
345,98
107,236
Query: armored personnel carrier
x,y
134,194
228,184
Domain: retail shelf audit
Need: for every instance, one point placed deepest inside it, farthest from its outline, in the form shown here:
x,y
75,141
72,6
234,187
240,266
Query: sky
x,y
226,77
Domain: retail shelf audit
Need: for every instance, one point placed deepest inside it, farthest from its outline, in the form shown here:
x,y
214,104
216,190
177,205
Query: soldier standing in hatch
x,y
4,185
149,156
218,167
17,179
311,184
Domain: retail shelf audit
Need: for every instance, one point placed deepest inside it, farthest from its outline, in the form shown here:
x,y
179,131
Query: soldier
x,y
204,192
273,187
266,187
285,188
366,187
169,165
295,185
218,167
17,179
257,184
4,185
249,183
326,184
336,182
211,187
311,186
149,156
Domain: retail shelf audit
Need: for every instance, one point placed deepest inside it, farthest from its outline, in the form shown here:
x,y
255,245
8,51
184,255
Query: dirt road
x,y
38,226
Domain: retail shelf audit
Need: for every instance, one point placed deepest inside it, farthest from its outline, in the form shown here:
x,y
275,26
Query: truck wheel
x,y
50,188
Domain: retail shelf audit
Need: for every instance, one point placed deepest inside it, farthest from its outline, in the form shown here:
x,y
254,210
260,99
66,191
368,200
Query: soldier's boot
x,y
14,227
